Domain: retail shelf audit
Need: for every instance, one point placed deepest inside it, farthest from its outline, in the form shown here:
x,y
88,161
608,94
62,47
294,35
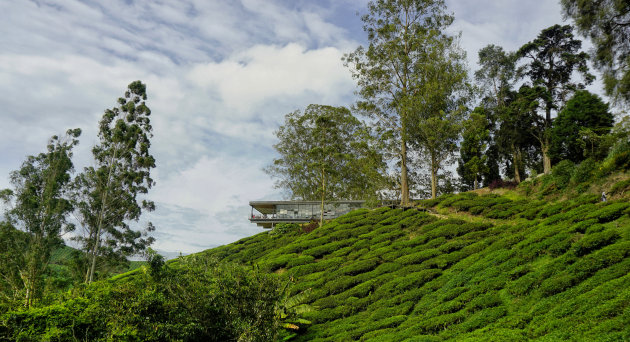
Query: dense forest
x,y
513,220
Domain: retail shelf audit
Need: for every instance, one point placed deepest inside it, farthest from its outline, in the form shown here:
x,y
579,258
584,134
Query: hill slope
x,y
484,268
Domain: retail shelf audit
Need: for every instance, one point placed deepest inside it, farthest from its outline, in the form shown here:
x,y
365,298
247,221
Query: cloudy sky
x,y
220,75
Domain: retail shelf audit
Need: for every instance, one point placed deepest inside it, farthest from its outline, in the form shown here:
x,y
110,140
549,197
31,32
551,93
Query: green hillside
x,y
535,263
469,268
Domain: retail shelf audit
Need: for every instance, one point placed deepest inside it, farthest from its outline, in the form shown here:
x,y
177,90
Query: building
x,y
268,213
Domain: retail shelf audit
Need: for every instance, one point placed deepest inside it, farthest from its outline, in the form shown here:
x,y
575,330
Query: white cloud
x,y
220,77
262,72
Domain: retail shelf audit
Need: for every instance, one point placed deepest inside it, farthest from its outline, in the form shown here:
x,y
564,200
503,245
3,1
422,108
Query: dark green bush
x,y
417,257
300,260
609,212
552,210
477,210
595,241
359,266
584,172
557,284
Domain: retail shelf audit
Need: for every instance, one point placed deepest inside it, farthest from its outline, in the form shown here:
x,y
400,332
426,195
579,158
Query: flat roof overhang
x,y
268,207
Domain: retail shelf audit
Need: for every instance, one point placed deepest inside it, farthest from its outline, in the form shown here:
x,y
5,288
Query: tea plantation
x,y
486,268
535,263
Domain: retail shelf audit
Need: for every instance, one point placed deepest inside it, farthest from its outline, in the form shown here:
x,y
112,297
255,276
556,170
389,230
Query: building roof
x,y
268,207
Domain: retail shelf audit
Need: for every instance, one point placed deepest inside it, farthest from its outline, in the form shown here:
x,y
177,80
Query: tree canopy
x,y
552,58
398,74
326,154
109,195
38,217
583,111
607,24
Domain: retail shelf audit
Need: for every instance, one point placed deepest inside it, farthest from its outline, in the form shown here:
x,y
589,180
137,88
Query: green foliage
x,y
561,173
609,212
606,24
326,154
553,58
282,228
108,194
577,129
556,270
409,38
39,209
473,157
595,241
192,299
620,187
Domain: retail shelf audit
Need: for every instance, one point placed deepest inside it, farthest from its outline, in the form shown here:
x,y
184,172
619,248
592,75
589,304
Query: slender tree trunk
x,y
433,176
321,213
516,161
545,141
476,183
100,217
546,159
404,184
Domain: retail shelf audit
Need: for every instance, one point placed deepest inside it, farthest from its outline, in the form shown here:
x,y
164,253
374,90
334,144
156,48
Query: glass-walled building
x,y
267,213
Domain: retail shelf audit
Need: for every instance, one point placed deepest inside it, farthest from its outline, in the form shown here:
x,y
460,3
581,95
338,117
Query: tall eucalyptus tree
x,y
403,36
109,195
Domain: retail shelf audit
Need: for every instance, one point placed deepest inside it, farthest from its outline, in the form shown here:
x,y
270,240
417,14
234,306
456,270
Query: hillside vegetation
x,y
483,267
539,262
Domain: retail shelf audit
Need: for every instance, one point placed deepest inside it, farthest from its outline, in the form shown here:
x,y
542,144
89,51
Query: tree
x,y
321,153
497,73
440,104
390,70
108,194
553,57
607,23
517,127
476,136
584,111
496,76
38,216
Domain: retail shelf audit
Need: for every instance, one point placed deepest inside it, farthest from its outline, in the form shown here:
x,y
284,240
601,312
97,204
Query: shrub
x,y
584,171
552,210
622,161
328,248
300,260
609,255
417,257
609,212
562,172
279,262
282,228
309,227
557,284
595,241
358,267
477,210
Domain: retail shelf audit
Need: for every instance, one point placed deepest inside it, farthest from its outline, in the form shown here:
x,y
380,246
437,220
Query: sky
x,y
220,77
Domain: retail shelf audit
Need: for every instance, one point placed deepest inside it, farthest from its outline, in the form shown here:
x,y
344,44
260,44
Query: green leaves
x,y
607,23
108,194
326,154
407,73
40,207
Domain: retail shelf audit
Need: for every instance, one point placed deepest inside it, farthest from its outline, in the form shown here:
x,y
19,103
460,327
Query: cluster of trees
x,y
95,208
413,86
191,299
